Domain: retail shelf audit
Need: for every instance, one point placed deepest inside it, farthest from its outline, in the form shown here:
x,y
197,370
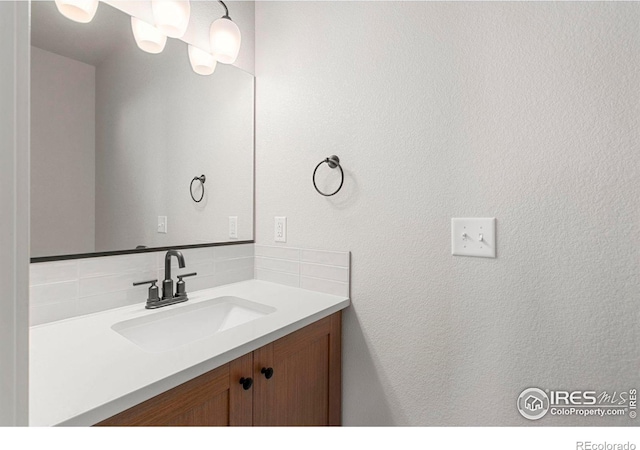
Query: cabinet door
x,y
215,398
304,388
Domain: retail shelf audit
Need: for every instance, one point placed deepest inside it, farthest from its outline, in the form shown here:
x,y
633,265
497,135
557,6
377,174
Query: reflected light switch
x,y
162,224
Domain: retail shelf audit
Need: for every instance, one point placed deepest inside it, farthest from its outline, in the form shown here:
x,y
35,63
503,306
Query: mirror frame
x,y
41,259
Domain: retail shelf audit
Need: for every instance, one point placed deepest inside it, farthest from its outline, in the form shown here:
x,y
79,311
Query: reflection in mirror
x,y
117,136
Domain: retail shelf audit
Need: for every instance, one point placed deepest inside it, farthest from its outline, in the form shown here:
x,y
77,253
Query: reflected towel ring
x,y
333,162
201,179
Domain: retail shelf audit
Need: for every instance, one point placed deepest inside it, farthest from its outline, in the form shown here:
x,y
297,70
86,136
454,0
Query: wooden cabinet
x,y
296,381
210,399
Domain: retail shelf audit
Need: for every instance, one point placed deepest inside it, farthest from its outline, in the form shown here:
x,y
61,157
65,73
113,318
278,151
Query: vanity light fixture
x,y
171,16
202,63
148,37
81,11
225,38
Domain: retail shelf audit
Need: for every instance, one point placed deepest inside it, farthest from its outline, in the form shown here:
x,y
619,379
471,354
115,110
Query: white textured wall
x,y
158,125
62,155
528,112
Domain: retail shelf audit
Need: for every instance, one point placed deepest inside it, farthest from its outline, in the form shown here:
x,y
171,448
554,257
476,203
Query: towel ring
x,y
201,179
333,162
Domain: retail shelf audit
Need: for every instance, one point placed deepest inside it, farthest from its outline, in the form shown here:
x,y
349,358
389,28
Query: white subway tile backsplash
x,y
234,276
288,279
316,270
224,265
112,283
325,286
199,283
233,251
102,302
281,265
292,254
44,294
326,272
113,265
52,312
64,289
202,268
324,257
53,272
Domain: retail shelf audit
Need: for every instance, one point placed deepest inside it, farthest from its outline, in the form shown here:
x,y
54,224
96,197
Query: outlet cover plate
x,y
474,237
280,229
233,227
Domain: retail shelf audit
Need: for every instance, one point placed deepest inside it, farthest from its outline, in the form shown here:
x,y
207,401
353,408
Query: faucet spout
x,y
167,284
167,262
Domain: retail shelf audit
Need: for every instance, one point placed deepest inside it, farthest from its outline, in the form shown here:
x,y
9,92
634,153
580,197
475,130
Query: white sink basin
x,y
182,324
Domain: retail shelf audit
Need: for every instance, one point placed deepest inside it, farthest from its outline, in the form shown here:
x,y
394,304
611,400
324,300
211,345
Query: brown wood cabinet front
x,y
214,398
296,381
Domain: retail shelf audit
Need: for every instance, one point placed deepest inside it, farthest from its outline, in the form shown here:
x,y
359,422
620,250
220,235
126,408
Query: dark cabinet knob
x,y
246,383
267,372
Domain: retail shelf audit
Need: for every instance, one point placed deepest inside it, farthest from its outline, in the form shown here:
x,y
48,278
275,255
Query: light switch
x,y
474,237
162,224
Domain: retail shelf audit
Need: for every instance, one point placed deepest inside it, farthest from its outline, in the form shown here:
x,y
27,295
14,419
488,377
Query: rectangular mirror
x,y
118,135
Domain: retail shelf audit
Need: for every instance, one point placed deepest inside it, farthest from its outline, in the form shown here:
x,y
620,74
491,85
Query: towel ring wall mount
x,y
201,179
332,161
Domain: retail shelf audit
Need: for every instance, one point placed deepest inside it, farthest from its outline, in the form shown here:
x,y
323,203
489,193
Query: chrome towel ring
x,y
333,162
201,179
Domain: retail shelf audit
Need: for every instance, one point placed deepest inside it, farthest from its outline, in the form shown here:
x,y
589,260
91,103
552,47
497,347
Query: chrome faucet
x,y
168,297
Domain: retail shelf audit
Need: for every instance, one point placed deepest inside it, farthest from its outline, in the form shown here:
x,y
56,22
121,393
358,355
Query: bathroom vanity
x,y
86,370
292,381
94,361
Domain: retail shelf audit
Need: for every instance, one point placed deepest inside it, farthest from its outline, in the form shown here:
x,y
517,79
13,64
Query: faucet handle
x,y
139,283
180,285
153,290
192,274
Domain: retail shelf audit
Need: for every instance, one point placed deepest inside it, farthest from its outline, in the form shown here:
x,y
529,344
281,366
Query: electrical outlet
x,y
162,224
233,227
280,229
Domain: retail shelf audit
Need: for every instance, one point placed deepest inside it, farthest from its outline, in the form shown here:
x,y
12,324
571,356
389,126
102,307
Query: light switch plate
x,y
233,227
474,237
162,224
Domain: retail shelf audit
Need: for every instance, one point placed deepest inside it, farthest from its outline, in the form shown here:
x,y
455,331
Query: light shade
x,y
202,63
81,11
225,40
148,37
171,16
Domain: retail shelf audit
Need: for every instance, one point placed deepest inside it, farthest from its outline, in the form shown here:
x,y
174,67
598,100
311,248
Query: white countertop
x,y
81,371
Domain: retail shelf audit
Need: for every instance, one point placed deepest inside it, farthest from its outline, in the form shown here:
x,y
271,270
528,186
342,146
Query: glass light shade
x,y
224,37
81,11
202,63
148,37
171,16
